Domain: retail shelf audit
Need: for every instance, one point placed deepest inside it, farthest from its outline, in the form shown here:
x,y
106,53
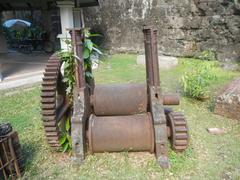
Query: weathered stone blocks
x,y
186,27
228,101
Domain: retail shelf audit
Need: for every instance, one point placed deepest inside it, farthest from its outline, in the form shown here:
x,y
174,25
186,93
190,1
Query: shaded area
x,y
15,64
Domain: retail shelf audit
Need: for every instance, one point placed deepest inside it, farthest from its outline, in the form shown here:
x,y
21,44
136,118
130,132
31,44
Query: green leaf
x,y
63,140
89,74
95,35
89,44
86,53
86,33
59,124
66,65
65,147
85,66
69,140
67,126
94,45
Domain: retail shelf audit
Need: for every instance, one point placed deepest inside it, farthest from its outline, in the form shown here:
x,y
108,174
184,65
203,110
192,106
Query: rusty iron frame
x,y
77,124
84,104
81,101
155,95
9,165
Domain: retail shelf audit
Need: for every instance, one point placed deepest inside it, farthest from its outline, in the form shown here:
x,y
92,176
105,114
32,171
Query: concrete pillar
x,y
3,45
1,76
67,21
77,17
3,42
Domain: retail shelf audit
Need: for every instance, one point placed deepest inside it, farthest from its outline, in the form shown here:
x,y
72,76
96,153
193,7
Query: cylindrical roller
x,y
118,133
171,99
122,99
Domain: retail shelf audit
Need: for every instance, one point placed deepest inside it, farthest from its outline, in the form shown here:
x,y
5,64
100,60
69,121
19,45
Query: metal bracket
x,y
160,128
78,127
155,96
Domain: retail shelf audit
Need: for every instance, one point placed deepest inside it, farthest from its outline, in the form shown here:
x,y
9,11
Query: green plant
x,y
67,57
65,140
207,55
88,49
69,62
195,83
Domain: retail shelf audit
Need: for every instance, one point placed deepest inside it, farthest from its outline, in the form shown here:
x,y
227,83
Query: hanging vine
x,y
68,59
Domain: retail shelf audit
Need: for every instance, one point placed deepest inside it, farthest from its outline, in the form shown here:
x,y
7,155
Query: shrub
x,y
207,55
195,83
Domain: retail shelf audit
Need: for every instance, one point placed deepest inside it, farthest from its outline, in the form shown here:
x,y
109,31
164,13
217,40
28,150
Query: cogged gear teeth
x,y
49,86
179,131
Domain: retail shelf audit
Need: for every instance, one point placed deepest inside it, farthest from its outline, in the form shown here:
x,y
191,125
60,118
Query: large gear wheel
x,y
54,100
179,136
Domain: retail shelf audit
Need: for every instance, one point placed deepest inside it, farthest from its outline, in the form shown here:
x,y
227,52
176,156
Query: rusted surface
x,y
81,100
155,96
178,131
120,99
78,124
125,116
151,54
77,45
10,156
118,133
54,100
160,128
171,99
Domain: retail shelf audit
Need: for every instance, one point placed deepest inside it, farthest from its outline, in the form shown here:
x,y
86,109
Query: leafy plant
x,y
88,49
65,140
67,57
207,55
195,83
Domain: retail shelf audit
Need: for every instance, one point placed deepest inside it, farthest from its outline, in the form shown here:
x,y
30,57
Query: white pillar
x,y
77,17
1,76
67,21
3,48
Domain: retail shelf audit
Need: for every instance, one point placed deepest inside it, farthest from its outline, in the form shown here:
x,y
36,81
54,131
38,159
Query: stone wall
x,y
186,27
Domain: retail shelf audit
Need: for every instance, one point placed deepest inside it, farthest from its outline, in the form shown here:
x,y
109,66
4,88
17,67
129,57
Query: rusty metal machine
x,y
11,162
113,118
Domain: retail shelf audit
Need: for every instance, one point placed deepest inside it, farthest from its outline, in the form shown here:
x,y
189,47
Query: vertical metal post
x,y
155,97
79,99
79,63
151,51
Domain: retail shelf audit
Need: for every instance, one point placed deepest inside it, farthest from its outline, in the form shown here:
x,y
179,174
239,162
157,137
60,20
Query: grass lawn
x,y
208,156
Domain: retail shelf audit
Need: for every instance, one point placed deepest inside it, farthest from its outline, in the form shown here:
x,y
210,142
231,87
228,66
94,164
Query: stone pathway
x,y
21,69
165,62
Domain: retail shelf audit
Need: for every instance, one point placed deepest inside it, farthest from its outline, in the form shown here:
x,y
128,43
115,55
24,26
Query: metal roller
x,y
118,133
171,99
120,99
